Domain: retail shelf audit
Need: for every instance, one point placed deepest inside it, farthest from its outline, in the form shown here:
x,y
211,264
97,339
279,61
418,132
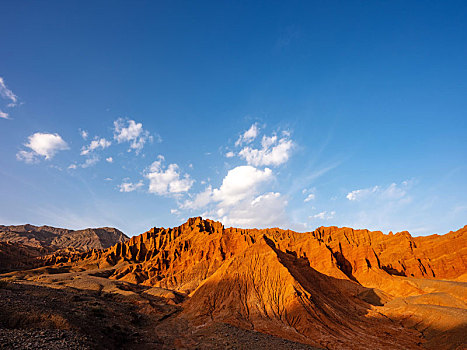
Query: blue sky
x,y
258,114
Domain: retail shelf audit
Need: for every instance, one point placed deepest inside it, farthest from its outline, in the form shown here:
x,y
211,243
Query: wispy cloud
x,y
248,136
310,197
130,187
392,192
324,215
90,162
8,94
290,34
84,134
362,193
4,115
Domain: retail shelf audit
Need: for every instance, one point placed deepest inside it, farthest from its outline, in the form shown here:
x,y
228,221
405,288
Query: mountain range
x,y
332,288
20,245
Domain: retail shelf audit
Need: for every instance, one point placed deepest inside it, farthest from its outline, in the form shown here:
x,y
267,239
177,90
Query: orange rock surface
x,y
332,287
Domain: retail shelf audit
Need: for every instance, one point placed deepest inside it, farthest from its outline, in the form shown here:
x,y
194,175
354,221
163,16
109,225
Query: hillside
x,y
21,245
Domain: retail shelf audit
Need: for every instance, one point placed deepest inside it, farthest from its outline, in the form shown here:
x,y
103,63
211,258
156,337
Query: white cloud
x,y
109,160
72,166
26,156
174,211
239,183
201,200
359,194
132,132
230,154
130,187
324,215
167,181
391,192
8,94
41,144
90,162
96,143
237,201
248,135
394,191
4,115
84,134
108,179
384,207
274,151
310,197
266,210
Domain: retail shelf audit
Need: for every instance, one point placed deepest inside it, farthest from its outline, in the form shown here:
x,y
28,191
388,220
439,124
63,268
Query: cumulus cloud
x,y
274,151
95,144
239,183
72,166
248,136
132,132
230,154
238,201
109,160
42,145
4,115
265,210
8,94
200,200
130,187
167,181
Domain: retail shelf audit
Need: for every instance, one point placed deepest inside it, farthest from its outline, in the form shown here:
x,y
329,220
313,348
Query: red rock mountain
x,y
333,287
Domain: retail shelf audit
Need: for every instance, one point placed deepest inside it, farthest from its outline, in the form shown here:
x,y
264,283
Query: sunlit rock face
x,y
332,287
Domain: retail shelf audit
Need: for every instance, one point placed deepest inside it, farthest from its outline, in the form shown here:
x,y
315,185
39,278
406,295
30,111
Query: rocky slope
x,y
333,287
21,245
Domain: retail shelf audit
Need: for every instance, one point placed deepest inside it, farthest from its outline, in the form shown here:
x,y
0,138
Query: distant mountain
x,y
332,287
20,245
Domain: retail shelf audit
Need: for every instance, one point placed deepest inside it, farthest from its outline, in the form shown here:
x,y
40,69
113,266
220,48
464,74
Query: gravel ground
x,y
51,339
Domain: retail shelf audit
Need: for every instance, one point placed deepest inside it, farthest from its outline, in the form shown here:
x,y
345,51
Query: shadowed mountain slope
x,y
21,245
